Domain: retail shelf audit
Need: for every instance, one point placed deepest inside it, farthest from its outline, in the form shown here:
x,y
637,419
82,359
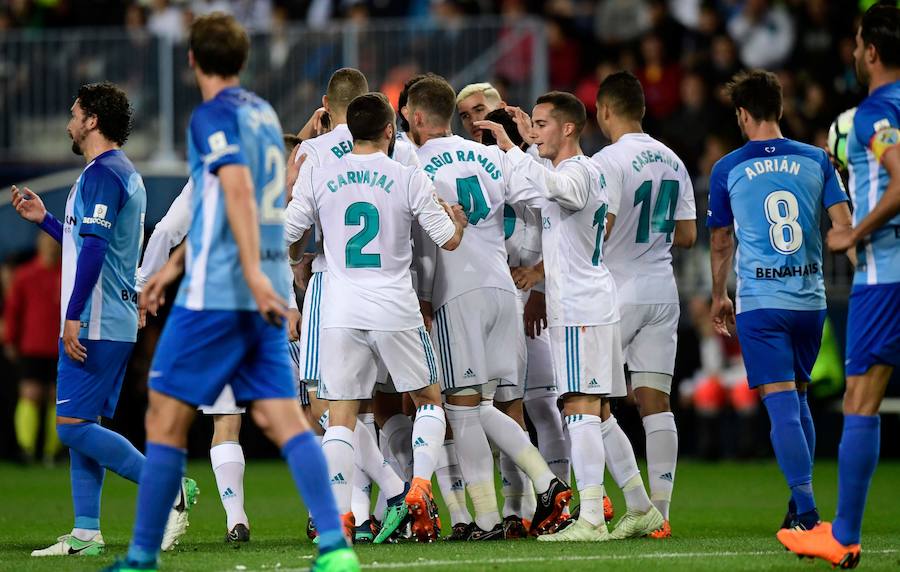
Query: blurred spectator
x,y
31,317
764,34
692,122
564,56
203,7
587,89
816,41
166,21
660,77
669,30
618,21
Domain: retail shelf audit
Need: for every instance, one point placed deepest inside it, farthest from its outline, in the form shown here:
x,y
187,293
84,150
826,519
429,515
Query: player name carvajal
x,y
771,166
788,271
366,177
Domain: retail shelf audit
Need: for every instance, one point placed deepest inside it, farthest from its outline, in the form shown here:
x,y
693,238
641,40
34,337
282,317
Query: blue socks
x,y
792,452
857,458
809,428
159,485
310,471
87,483
107,448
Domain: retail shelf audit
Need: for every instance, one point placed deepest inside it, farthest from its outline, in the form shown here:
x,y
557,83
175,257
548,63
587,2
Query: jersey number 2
x,y
364,214
782,212
269,211
663,210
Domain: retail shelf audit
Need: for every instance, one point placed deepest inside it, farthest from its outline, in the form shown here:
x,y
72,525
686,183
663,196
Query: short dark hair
x,y
109,104
624,94
367,116
503,118
220,44
435,96
566,107
757,91
880,27
404,96
290,141
345,85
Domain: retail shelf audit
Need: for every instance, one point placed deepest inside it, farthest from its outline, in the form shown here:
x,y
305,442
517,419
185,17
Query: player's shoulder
x,y
725,165
113,166
881,110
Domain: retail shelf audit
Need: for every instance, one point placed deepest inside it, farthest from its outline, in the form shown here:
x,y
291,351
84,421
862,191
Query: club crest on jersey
x,y
770,149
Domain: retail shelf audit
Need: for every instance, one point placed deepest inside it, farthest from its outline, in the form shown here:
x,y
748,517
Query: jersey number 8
x,y
782,212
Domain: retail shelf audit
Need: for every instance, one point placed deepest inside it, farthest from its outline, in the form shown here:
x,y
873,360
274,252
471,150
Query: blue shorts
x,y
779,345
873,327
91,389
201,351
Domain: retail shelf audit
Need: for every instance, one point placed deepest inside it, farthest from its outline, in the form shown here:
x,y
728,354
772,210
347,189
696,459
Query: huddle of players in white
x,y
600,230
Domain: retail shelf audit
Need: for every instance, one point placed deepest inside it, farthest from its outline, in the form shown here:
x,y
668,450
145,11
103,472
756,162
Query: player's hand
x,y
268,303
722,313
142,317
503,140
292,171
535,314
293,317
427,314
526,277
455,212
71,344
841,239
153,294
28,204
317,124
522,121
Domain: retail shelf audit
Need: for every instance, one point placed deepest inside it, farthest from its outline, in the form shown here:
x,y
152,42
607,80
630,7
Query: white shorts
x,y
588,359
649,340
535,369
407,355
224,405
476,336
299,384
310,330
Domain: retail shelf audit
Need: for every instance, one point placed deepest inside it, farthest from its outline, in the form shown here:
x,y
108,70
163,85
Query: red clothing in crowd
x,y
662,90
32,310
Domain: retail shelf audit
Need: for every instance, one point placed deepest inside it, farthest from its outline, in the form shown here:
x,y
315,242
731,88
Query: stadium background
x,y
683,51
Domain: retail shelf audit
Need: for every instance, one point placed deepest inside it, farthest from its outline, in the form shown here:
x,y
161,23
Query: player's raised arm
x,y
167,234
31,208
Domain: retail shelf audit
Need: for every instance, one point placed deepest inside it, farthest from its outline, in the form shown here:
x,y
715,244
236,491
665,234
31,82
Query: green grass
x,y
724,517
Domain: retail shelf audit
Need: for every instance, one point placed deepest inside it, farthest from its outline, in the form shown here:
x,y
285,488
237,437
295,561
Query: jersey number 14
x,y
663,220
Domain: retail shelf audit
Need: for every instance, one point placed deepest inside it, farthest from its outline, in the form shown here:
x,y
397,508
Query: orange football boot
x,y
349,522
426,526
820,543
608,510
665,531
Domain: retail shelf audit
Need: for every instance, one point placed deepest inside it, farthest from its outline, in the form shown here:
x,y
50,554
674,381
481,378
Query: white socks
x,y
552,441
476,462
360,498
623,466
228,466
397,435
428,433
662,456
452,485
370,461
518,493
589,463
86,534
512,441
337,446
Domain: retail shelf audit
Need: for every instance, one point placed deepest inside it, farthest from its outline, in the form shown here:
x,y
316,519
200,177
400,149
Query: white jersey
x,y
366,205
522,230
573,202
649,189
329,148
478,178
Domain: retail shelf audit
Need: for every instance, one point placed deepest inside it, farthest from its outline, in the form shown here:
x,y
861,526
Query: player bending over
x,y
101,237
226,327
772,192
873,326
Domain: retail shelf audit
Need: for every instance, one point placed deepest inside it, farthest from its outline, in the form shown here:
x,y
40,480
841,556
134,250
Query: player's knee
x,y
226,428
651,401
862,397
70,432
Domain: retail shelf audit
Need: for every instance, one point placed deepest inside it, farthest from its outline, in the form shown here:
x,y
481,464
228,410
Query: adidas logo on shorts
x,y
339,479
469,374
593,382
457,485
419,442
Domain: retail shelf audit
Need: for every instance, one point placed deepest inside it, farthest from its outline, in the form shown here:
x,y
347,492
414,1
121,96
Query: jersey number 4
x,y
471,199
663,220
364,214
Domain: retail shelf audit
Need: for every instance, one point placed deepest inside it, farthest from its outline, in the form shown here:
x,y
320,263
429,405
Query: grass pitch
x,y
724,517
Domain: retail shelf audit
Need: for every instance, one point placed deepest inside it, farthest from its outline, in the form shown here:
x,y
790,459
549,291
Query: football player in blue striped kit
x,y
873,326
226,327
771,194
101,237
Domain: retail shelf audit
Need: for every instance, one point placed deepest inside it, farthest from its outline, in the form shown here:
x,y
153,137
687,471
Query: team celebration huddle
x,y
451,285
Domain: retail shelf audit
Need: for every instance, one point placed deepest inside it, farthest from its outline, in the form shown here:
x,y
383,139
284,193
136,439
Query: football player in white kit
x,y
476,323
582,309
365,205
652,209
522,231
225,452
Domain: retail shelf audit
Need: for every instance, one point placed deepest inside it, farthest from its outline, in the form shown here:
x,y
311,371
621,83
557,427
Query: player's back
x,y
366,205
474,176
109,201
234,128
875,128
649,190
775,192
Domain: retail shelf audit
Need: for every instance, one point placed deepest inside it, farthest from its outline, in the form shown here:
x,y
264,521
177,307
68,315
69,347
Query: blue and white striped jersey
x,y
108,201
234,128
876,127
774,193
